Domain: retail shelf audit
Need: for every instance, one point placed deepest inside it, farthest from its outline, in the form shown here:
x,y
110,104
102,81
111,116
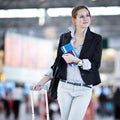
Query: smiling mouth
x,y
85,22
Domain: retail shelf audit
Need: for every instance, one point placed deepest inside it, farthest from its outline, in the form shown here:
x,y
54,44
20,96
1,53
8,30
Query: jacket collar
x,y
87,42
72,30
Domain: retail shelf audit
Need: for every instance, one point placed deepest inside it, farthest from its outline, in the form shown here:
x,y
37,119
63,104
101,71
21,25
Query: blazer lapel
x,y
87,43
67,38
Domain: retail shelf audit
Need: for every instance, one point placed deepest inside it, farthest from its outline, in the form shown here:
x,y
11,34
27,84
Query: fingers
x,y
36,87
67,54
68,57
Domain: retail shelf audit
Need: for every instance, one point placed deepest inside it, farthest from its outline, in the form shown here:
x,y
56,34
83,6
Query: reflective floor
x,y
24,116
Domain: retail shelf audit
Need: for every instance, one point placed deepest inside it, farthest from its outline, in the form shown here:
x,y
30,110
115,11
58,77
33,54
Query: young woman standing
x,y
76,82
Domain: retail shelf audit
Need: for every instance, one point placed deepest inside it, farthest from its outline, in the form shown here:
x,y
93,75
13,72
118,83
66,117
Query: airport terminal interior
x,y
29,35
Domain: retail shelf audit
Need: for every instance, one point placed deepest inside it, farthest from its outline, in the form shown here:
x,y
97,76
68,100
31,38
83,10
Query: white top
x,y
73,73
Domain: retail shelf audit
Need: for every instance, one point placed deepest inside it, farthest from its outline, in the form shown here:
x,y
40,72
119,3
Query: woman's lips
x,y
85,22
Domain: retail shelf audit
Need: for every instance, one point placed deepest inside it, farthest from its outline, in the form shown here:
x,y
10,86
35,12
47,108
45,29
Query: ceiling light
x,y
22,13
56,12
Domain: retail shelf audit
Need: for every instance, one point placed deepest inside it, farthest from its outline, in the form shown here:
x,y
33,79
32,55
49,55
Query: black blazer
x,y
92,50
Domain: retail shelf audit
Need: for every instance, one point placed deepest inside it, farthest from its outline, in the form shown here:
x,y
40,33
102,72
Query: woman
x,y
76,82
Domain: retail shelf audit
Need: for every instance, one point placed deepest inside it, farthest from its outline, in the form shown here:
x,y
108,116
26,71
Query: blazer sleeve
x,y
96,59
59,52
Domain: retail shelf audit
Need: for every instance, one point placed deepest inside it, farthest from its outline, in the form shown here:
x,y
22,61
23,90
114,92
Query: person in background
x,y
76,82
102,101
116,99
17,95
6,101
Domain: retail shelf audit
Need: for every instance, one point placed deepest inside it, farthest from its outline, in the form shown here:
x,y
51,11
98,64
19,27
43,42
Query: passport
x,y
68,48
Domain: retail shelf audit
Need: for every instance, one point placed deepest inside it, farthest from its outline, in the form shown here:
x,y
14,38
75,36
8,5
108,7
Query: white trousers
x,y
73,101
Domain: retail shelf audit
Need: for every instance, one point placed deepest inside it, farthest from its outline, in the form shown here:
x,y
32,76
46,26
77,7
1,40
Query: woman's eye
x,y
84,16
88,15
81,16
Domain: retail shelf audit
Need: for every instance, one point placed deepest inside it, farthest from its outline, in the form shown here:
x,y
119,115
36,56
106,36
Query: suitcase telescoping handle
x,y
44,89
47,108
32,105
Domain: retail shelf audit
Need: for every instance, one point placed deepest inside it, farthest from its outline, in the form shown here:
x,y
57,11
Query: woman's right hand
x,y
40,84
36,87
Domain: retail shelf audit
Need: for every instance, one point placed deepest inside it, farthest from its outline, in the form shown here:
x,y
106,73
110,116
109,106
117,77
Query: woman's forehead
x,y
82,11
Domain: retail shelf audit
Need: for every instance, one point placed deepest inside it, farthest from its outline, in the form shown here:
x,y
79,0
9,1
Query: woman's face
x,y
82,19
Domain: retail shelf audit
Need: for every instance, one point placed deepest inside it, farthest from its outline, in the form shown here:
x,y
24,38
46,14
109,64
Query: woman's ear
x,y
73,21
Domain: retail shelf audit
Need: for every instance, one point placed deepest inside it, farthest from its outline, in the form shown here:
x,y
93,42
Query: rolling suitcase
x,y
46,102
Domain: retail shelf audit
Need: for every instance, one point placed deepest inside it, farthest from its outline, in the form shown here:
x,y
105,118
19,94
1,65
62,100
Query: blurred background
x,y
29,35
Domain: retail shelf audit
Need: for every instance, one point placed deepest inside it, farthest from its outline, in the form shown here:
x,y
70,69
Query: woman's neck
x,y
79,36
79,32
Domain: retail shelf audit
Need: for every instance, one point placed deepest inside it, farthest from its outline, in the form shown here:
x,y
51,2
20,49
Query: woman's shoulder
x,y
93,33
66,34
96,34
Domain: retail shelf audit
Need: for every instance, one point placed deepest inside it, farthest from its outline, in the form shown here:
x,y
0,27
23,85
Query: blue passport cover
x,y
68,48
